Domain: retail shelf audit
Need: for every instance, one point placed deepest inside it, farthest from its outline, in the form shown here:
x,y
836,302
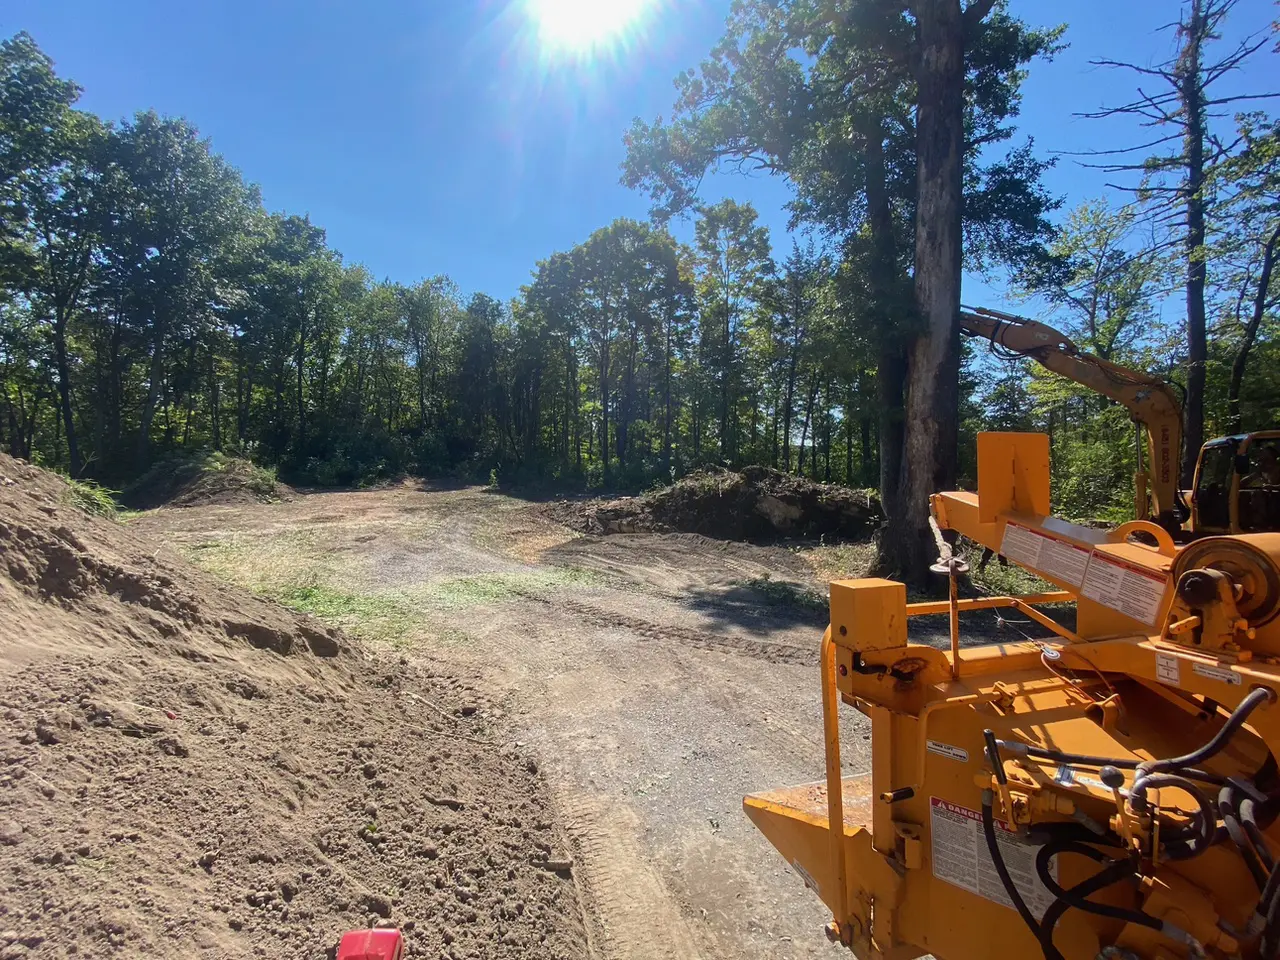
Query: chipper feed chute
x,y
1110,792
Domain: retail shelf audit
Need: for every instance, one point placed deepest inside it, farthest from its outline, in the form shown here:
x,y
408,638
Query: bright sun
x,y
580,27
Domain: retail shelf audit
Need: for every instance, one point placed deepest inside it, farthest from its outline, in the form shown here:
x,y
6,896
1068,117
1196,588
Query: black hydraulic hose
x,y
1192,847
1057,756
1205,819
1047,853
997,858
1228,810
1219,740
1010,889
1116,871
1270,895
1184,764
1271,923
1055,832
1249,820
1087,760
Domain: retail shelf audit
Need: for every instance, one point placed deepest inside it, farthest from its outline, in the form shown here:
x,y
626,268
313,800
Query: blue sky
x,y
440,136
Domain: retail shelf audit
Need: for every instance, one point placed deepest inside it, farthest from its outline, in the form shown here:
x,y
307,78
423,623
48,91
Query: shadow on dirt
x,y
761,606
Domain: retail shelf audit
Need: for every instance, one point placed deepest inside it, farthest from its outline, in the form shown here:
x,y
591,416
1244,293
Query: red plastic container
x,y
371,945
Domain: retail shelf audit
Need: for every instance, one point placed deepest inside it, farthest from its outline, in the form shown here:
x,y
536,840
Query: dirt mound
x,y
208,477
755,504
188,771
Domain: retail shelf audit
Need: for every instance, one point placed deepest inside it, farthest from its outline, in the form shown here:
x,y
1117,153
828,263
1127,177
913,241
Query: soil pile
x,y
188,771
206,478
755,504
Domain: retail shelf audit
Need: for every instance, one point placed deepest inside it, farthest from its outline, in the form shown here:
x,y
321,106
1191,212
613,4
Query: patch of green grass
x,y
462,592
841,561
998,580
93,498
384,617
330,604
783,593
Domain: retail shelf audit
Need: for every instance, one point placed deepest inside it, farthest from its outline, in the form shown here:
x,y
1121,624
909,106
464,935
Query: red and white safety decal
x,y
1130,590
1045,554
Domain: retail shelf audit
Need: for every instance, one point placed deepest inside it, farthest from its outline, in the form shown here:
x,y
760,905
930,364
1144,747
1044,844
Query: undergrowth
x,y
93,498
189,473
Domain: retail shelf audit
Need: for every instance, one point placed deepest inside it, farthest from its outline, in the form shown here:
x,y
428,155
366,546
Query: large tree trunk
x,y
1191,92
891,376
933,359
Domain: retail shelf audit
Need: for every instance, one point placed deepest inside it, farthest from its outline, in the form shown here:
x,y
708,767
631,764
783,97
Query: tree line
x,y
149,304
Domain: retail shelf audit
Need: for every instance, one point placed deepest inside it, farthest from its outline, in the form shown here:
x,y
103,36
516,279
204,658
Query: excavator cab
x,y
1237,485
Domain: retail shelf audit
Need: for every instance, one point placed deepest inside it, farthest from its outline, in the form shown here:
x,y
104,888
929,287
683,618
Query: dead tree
x,y
1174,178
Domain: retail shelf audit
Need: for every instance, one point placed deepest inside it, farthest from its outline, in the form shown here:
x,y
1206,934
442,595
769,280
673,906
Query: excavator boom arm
x,y
1149,400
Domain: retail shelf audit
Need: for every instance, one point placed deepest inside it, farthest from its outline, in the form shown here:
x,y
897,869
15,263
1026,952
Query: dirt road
x,y
657,677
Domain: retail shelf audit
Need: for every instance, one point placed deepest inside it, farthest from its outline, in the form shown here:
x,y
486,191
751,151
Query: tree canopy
x,y
151,305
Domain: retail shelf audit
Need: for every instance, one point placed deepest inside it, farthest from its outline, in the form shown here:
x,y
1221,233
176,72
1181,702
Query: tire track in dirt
x,y
635,916
766,650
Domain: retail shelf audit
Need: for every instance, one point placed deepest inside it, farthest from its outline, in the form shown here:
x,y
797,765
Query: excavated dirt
x,y
188,771
204,480
757,504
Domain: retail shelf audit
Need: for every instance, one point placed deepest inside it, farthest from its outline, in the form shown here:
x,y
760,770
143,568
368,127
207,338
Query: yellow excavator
x,y
1237,480
1108,791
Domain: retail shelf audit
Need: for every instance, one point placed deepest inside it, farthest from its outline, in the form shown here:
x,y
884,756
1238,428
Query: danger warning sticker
x,y
1134,592
960,857
1031,548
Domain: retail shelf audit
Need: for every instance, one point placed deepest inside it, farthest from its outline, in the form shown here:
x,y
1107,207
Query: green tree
x,y
883,156
734,258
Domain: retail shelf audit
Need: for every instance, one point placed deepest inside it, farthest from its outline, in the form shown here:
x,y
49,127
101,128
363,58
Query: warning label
x,y
1135,593
1031,548
1225,674
1168,669
960,857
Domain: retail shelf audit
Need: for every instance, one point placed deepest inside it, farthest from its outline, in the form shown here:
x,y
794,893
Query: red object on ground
x,y
371,945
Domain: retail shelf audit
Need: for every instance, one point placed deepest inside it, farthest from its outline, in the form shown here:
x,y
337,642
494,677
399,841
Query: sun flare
x,y
580,27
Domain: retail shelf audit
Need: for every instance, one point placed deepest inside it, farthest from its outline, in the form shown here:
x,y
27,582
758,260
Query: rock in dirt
x,y
757,503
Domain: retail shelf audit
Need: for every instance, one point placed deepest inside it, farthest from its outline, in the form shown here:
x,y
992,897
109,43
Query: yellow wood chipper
x,y
1111,792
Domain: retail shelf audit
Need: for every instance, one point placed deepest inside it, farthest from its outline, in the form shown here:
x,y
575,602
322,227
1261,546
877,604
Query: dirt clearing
x,y
186,770
655,677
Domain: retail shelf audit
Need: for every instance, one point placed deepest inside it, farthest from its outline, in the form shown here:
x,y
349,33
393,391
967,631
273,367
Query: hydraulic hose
x,y
1258,922
1071,899
1010,889
1088,760
1231,819
1116,871
1211,749
1249,820
1271,925
997,858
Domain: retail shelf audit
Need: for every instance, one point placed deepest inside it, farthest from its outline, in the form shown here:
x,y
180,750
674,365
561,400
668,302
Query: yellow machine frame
x,y
1171,646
